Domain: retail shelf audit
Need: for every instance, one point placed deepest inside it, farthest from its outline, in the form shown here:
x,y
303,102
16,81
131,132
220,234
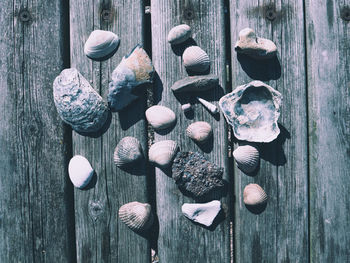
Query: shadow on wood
x,y
179,49
92,183
135,168
207,146
157,88
99,133
257,209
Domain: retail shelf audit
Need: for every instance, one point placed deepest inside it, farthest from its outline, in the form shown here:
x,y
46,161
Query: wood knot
x,y
188,14
95,209
106,15
270,13
24,16
345,13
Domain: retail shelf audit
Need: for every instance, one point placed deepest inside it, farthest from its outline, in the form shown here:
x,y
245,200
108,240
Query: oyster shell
x,y
247,158
80,171
195,83
162,153
137,216
199,131
134,69
253,110
209,106
77,103
127,152
202,213
179,34
254,195
196,59
160,117
253,46
101,45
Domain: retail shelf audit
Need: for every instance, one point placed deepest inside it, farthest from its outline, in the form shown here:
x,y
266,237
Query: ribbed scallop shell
x,y
179,34
101,45
196,59
253,194
128,151
163,153
160,117
137,216
247,158
199,131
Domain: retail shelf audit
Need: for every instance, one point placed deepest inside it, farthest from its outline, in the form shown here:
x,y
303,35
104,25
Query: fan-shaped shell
x,y
128,151
160,117
137,216
247,158
101,45
253,194
80,171
199,131
163,153
196,59
179,34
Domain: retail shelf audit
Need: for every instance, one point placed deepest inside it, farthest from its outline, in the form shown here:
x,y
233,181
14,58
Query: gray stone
x,y
195,83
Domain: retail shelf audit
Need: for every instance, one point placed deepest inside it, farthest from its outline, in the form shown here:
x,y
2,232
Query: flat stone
x,y
195,83
202,213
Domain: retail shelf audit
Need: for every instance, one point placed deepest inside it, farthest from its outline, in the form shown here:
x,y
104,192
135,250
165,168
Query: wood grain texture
x,y
328,59
35,211
101,236
280,232
179,239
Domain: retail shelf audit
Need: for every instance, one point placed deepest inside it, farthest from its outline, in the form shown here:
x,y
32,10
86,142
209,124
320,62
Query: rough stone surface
x,y
195,83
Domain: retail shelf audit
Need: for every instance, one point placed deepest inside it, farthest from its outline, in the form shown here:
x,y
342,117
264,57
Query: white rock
x,y
80,171
202,213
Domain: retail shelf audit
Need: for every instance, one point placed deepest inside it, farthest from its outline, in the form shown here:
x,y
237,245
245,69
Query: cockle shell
x,y
162,153
196,59
253,110
77,103
247,158
128,151
202,213
195,83
253,194
253,46
137,216
80,171
101,45
179,34
199,131
209,106
160,117
134,69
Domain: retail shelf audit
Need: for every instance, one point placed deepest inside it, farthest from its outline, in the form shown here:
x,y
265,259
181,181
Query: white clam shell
x,y
128,151
80,171
247,158
202,213
163,153
179,34
253,194
199,131
101,45
160,117
137,216
196,59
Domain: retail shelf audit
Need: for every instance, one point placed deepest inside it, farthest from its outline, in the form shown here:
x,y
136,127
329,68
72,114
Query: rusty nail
x,y
188,14
270,13
24,15
345,13
106,15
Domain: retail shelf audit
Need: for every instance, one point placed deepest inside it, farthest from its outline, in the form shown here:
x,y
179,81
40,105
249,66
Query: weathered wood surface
x,y
35,210
179,239
328,58
101,236
280,232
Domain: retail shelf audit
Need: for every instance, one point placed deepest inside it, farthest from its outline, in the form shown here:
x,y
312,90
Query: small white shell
x,y
210,106
253,194
186,107
247,158
199,131
80,171
137,216
179,34
128,151
160,117
163,153
101,45
196,59
202,213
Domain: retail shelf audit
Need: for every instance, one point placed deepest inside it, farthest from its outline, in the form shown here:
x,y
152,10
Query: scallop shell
x,y
101,45
247,158
179,34
80,171
199,131
160,117
196,59
253,194
163,153
137,216
128,151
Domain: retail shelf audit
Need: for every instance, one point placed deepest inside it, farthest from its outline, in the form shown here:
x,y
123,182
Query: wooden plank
x,y
179,239
280,232
328,64
101,237
35,210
